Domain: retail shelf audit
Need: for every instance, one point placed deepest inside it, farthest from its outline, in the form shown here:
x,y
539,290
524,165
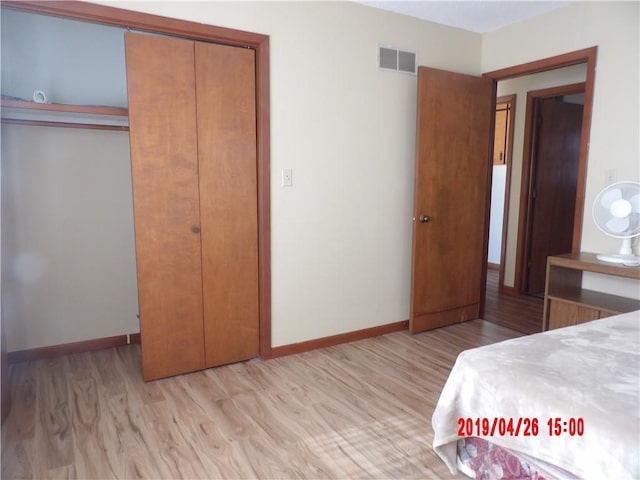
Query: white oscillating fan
x,y
616,211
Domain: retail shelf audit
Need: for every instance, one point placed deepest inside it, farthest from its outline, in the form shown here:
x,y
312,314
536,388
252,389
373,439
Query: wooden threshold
x,y
339,339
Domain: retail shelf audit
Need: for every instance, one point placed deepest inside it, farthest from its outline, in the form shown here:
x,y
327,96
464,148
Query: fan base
x,y
629,260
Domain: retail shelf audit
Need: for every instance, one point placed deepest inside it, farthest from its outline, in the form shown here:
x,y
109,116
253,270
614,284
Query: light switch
x,y
287,179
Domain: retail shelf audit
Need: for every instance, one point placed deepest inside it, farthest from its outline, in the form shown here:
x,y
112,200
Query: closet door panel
x,y
225,87
164,164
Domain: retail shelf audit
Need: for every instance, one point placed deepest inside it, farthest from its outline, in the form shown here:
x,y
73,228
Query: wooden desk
x,y
567,303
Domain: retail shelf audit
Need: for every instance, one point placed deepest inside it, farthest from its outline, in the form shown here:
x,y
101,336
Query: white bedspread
x,y
590,371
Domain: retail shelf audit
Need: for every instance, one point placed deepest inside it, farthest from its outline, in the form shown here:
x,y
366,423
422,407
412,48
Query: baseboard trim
x,y
134,338
71,348
333,340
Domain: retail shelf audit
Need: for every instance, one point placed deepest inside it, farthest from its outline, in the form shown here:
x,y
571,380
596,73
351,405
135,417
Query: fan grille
x,y
616,210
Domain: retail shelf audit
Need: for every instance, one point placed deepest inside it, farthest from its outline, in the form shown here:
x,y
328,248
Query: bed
x,y
579,386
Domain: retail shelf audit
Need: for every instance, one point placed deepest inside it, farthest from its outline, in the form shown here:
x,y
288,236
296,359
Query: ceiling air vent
x,y
394,59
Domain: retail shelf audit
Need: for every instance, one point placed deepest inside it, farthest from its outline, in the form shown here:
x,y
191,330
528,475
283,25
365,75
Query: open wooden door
x,y
453,158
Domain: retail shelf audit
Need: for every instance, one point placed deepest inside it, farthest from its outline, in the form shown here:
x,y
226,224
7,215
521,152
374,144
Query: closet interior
x,y
86,250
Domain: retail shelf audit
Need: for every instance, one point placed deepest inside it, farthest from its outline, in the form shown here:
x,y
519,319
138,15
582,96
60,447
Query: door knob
x,y
195,229
425,218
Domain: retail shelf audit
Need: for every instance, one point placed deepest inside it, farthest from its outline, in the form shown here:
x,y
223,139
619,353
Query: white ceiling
x,y
478,16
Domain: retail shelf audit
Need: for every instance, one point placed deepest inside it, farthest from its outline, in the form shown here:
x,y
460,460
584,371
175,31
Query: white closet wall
x,y
68,257
72,62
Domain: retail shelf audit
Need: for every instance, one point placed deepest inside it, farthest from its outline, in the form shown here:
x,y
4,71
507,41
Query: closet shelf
x,y
91,116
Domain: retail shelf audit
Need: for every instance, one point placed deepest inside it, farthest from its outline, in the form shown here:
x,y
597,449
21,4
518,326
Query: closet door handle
x,y
195,229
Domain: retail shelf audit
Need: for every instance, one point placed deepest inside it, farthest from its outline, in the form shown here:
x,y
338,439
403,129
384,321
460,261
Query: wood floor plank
x,y
171,441
270,460
131,363
130,446
231,379
233,422
91,461
359,411
17,459
272,422
54,440
299,416
108,366
22,423
206,384
67,472
519,312
196,425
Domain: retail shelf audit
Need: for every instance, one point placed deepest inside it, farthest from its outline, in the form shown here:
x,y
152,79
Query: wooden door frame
x,y
525,223
587,56
511,100
197,31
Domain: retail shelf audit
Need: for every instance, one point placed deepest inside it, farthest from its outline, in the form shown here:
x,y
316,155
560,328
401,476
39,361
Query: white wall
x,y
614,143
341,235
68,254
72,62
67,238
498,183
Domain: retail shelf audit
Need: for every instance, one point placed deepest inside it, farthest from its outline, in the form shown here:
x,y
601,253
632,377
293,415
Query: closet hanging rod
x,y
48,123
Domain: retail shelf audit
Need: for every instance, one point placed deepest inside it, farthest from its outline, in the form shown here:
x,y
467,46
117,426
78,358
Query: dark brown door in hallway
x,y
555,164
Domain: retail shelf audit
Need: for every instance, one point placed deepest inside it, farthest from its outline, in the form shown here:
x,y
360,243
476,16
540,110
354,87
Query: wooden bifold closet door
x,y
192,117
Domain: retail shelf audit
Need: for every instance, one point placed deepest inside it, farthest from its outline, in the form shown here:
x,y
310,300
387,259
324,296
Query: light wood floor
x,y
359,410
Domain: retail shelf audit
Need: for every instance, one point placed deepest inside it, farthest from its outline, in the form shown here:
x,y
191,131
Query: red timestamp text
x,y
566,426
498,426
521,426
